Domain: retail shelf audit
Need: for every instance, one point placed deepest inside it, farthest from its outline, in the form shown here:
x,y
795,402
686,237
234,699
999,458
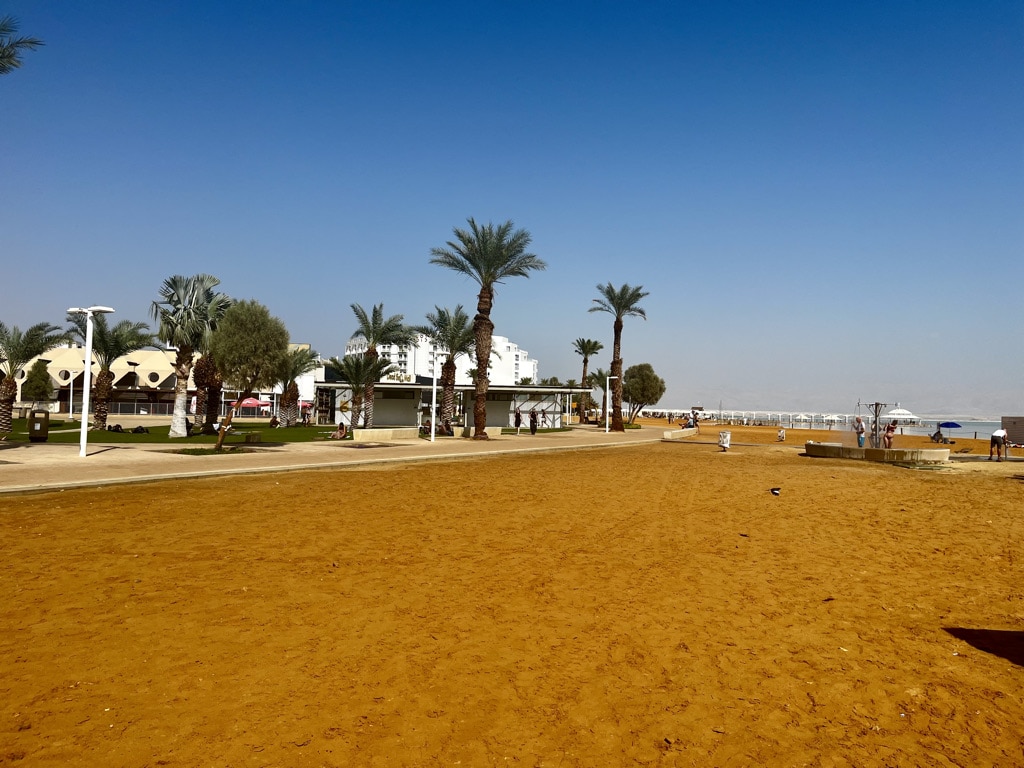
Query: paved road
x,y
28,467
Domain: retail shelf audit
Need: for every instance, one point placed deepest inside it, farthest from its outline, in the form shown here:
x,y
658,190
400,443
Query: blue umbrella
x,y
949,425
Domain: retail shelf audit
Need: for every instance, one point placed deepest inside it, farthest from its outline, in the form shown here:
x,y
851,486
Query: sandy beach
x,y
642,605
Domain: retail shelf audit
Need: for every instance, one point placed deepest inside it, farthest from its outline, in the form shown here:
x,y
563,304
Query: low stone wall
x,y
678,434
383,434
491,431
884,455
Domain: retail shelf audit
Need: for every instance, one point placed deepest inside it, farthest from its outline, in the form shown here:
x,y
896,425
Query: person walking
x,y
533,421
518,420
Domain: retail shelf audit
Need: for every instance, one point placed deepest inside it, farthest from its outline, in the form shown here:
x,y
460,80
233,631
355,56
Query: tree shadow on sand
x,y
1006,643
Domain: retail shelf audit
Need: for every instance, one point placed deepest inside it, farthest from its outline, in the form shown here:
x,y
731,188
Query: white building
x,y
509,363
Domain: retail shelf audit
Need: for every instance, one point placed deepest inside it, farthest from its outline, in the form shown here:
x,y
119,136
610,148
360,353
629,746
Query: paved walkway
x,y
29,467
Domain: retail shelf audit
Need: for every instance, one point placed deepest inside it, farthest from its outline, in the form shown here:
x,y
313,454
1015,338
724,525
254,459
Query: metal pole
x,y
433,393
607,403
71,397
87,373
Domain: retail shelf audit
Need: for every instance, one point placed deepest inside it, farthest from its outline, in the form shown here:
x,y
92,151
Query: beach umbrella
x,y
252,402
949,425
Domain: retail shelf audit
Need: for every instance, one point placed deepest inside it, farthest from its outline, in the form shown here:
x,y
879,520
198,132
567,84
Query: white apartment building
x,y
509,363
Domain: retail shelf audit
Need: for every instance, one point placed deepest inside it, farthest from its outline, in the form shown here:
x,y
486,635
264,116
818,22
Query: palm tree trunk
x,y
372,355
483,328
8,391
101,407
447,394
182,368
616,373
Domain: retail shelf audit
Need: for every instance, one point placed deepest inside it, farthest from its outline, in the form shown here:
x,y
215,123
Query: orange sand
x,y
653,605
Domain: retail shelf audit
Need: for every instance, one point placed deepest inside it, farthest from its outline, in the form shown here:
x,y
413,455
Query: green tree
x,y
37,384
300,361
249,346
108,344
489,255
11,47
550,381
376,330
16,349
452,332
357,371
619,302
188,312
209,388
587,348
641,386
526,381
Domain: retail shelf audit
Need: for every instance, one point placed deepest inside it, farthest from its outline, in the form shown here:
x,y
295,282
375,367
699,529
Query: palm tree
x,y
108,344
488,255
453,333
300,361
619,302
588,348
376,330
11,46
16,349
188,313
358,371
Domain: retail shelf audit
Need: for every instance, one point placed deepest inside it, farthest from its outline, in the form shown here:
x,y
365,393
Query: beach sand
x,y
650,605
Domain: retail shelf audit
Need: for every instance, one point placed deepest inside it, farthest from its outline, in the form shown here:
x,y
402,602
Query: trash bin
x,y
723,440
38,426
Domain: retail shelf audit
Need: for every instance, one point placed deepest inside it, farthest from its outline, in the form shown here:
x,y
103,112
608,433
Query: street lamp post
x,y
433,392
607,403
87,373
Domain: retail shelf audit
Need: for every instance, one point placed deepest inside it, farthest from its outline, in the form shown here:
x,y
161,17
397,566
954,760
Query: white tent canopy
x,y
901,414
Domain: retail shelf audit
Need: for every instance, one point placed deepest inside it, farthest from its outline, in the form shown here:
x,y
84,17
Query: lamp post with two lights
x,y
87,373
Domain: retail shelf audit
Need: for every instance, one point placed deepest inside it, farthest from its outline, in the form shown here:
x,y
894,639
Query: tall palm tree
x,y
108,344
588,348
376,330
188,313
358,371
300,361
489,255
619,302
11,46
453,333
16,349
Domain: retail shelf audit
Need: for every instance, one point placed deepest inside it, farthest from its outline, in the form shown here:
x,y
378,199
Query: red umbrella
x,y
252,402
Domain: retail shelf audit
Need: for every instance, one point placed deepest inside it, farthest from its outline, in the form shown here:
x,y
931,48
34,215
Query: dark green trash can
x,y
38,426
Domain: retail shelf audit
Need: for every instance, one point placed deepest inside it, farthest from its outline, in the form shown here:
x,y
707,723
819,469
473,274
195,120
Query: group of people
x,y
860,428
518,420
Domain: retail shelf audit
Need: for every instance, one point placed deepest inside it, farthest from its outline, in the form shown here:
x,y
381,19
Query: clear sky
x,y
825,200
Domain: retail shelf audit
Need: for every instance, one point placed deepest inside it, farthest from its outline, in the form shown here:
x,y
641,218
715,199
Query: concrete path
x,y
31,467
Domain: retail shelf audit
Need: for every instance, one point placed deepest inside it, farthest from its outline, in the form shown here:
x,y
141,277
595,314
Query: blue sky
x,y
825,200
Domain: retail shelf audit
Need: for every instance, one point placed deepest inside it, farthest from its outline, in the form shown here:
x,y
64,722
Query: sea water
x,y
982,430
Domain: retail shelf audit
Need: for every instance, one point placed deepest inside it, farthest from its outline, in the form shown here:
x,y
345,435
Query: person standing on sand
x,y
533,421
890,433
859,428
518,420
997,443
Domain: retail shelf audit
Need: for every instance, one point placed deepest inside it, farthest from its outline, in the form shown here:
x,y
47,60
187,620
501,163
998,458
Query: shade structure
x,y
901,414
252,402
949,425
